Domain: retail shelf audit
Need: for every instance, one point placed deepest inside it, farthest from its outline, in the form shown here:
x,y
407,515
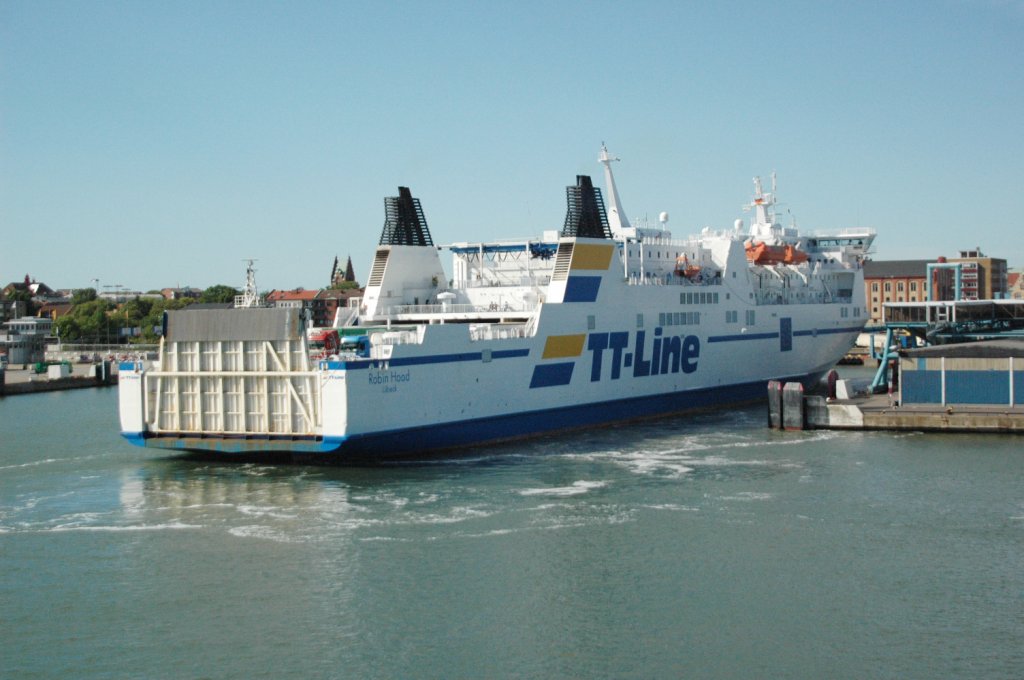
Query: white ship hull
x,y
519,392
588,332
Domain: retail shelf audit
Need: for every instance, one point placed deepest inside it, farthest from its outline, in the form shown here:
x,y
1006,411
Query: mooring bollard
x,y
775,404
793,406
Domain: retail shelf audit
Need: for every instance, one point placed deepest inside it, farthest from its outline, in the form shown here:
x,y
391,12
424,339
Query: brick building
x,y
326,303
322,305
902,281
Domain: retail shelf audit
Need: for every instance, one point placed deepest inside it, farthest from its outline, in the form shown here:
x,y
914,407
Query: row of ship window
x,y
693,318
652,254
698,298
731,316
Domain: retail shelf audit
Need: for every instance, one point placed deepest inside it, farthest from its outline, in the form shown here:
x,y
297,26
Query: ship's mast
x,y
616,218
764,209
250,297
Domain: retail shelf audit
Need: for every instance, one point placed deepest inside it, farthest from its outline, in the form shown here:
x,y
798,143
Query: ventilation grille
x,y
586,215
404,223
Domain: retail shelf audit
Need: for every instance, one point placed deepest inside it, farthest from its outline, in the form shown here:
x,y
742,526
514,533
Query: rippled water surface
x,y
705,546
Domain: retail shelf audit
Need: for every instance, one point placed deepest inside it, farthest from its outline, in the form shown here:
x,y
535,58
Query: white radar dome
x,y
738,225
663,217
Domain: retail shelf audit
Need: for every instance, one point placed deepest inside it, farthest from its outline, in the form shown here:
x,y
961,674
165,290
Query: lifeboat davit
x,y
762,253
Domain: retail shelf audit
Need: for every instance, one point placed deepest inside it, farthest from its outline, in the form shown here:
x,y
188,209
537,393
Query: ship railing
x,y
848,231
405,337
505,282
444,308
450,308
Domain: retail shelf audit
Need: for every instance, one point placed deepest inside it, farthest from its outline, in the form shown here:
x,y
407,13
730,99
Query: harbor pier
x,y
875,412
24,380
961,387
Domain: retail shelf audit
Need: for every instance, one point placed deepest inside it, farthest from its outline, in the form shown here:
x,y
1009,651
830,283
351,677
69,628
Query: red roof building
x,y
299,298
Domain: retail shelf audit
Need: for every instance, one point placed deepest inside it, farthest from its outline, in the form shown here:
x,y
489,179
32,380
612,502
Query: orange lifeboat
x,y
684,268
762,253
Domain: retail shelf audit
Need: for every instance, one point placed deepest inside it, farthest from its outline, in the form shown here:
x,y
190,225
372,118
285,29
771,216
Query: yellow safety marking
x,y
559,346
591,256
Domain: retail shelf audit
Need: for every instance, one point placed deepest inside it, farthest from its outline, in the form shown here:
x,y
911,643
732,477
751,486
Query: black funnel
x,y
404,224
585,215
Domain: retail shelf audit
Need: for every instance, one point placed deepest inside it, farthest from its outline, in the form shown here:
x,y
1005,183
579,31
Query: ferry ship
x,y
600,322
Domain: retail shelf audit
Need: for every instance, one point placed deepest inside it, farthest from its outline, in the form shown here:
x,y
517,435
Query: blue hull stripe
x,y
550,375
743,336
830,331
767,336
434,359
227,443
582,289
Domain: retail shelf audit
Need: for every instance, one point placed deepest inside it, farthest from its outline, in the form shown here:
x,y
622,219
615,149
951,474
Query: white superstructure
x,y
601,322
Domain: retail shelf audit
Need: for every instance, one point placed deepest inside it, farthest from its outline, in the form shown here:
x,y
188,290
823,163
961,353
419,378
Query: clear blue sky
x,y
156,144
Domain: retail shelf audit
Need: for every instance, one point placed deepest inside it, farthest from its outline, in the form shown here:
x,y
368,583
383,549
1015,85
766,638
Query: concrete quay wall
x,y
25,381
875,413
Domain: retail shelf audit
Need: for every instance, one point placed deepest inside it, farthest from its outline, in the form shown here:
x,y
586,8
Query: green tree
x,y
134,310
219,293
88,322
83,295
154,319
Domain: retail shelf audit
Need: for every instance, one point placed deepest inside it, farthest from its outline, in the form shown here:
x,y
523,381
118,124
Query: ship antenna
x,y
616,218
250,297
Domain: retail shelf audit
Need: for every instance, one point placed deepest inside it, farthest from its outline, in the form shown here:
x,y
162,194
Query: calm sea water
x,y
701,547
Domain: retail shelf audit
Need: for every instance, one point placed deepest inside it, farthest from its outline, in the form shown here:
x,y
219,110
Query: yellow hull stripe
x,y
561,346
591,256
